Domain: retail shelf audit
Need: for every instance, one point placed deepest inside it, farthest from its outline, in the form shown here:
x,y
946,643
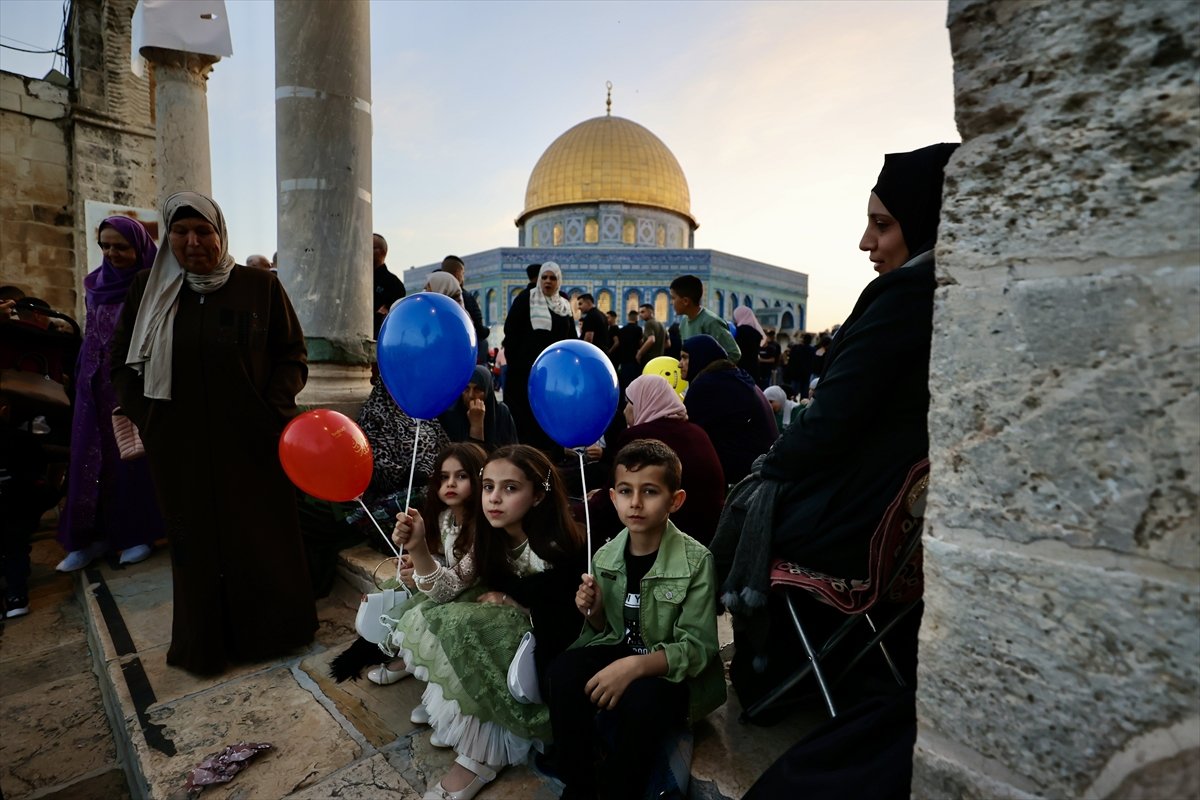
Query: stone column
x,y
1060,650
181,120
323,159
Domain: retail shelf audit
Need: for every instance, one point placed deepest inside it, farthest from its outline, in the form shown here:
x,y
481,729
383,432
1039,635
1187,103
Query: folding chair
x,y
894,578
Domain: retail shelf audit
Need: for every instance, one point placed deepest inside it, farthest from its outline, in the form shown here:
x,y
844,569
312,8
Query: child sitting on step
x,y
648,655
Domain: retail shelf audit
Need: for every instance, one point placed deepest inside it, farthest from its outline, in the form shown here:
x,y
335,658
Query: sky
x,y
779,114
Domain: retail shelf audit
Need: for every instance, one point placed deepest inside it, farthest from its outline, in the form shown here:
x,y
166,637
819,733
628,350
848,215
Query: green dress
x,y
463,649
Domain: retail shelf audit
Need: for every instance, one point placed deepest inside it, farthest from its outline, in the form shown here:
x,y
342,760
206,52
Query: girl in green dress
x,y
528,556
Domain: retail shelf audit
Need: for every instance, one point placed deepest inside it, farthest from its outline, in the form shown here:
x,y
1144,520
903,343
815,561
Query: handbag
x,y
522,672
372,606
129,440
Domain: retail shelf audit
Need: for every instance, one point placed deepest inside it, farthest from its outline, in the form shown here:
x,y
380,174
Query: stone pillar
x,y
323,158
181,120
1060,650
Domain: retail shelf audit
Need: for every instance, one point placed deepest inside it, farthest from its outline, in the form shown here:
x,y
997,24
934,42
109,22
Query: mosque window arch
x,y
662,305
787,322
778,304
765,302
733,301
604,300
537,235
512,294
629,232
558,234
492,310
800,316
591,231
660,236
633,299
748,301
720,297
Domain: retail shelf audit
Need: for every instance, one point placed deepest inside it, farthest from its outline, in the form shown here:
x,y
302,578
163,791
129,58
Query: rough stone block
x,y
49,92
936,777
50,131
44,109
1084,125
1102,367
1056,664
42,150
9,101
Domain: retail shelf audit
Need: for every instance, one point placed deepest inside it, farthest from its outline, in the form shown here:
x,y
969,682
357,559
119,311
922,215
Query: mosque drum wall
x,y
1060,650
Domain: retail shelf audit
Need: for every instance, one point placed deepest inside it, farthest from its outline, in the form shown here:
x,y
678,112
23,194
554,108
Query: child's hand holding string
x,y
409,531
590,602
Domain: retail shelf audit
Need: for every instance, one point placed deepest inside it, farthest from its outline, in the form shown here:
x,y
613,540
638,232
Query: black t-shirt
x,y
770,351
636,568
630,339
596,323
388,289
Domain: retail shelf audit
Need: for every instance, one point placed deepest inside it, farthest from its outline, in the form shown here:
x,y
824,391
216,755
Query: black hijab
x,y
910,185
498,427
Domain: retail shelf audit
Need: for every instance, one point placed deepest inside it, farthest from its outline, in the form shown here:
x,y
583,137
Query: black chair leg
x,y
886,655
812,657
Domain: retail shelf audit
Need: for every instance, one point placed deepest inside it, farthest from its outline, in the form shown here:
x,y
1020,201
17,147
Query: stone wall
x,y
37,241
66,145
1060,649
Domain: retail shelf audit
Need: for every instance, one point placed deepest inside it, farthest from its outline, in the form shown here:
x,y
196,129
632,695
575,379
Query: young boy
x,y
648,653
694,319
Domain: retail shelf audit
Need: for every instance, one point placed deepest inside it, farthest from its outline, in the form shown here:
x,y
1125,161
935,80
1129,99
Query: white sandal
x,y
385,677
483,776
419,715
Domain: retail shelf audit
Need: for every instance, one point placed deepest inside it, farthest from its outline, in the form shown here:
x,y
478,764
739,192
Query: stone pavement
x,y
352,740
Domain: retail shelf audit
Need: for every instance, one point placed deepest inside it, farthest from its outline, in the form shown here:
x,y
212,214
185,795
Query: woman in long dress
x,y
110,502
538,318
207,360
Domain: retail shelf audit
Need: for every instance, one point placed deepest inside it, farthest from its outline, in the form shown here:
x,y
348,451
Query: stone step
x,y
347,740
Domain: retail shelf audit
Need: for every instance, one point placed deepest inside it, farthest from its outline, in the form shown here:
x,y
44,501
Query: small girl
x,y
444,567
528,555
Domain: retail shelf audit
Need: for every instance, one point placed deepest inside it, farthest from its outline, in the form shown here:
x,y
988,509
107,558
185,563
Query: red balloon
x,y
326,455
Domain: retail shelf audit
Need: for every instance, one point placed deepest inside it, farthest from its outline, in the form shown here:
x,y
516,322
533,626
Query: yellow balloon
x,y
682,388
665,366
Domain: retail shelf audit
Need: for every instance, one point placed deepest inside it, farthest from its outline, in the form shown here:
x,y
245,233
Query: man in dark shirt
x,y
614,331
593,327
629,338
768,360
654,336
457,267
798,369
388,288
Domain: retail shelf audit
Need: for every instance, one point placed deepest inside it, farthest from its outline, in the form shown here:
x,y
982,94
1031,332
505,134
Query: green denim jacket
x,y
678,614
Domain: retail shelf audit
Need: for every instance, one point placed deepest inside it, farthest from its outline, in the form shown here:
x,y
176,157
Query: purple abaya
x,y
107,499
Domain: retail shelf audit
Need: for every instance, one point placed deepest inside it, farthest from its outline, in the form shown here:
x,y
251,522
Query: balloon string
x,y
587,515
375,522
412,471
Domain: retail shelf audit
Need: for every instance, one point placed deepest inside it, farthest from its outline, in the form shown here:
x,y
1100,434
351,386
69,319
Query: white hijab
x,y
153,338
541,306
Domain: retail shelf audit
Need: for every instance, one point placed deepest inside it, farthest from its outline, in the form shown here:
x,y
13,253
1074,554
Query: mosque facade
x,y
608,202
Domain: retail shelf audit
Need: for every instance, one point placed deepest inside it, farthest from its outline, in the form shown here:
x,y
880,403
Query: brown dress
x,y
241,585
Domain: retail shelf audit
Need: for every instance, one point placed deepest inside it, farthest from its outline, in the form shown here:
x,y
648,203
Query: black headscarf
x,y
702,350
910,185
498,427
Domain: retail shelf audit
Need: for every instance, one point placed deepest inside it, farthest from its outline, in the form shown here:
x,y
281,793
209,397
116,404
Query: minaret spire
x,y
608,102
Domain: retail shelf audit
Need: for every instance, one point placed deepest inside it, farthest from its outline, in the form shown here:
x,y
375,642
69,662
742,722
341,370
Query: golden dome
x,y
608,159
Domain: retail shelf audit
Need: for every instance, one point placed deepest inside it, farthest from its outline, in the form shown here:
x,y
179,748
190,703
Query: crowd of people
x,y
204,358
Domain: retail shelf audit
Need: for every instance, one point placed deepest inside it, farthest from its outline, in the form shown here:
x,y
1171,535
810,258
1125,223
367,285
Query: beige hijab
x,y
153,339
447,284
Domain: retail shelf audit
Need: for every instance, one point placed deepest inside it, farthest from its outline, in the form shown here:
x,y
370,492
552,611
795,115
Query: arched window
x,y
591,231
512,295
661,236
604,300
558,234
633,299
720,297
492,311
747,301
787,322
800,315
629,232
733,302
537,235
662,305
766,303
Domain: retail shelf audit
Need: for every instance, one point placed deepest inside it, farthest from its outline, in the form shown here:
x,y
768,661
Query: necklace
x,y
516,551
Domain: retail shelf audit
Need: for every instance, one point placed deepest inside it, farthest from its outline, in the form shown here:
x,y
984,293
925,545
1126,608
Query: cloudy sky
x,y
778,112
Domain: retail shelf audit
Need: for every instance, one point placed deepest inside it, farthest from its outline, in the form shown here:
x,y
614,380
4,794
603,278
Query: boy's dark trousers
x,y
648,712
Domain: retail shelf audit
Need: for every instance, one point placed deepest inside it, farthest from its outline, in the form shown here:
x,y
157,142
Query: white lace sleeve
x,y
448,583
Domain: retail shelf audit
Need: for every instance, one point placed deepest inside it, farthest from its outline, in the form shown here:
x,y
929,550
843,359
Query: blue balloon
x,y
732,329
573,391
426,352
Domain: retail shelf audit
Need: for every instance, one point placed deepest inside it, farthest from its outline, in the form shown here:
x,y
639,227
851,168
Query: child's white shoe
x,y
437,741
385,677
419,715
483,776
